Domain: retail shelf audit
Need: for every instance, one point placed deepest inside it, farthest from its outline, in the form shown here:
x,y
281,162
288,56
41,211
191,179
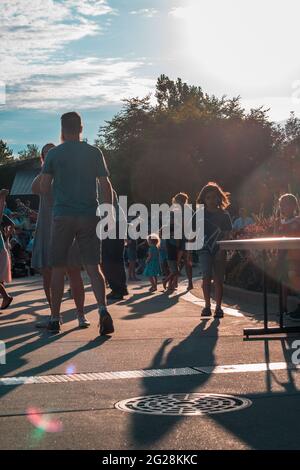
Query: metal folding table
x,y
265,244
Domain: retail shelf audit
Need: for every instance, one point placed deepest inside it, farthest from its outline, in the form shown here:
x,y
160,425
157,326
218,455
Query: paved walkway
x,y
60,391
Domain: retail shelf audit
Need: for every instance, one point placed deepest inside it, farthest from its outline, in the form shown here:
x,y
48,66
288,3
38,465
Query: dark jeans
x,y
113,265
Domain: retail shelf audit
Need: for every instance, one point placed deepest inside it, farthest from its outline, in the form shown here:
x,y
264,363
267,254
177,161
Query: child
x,y
152,269
5,264
217,226
288,225
181,199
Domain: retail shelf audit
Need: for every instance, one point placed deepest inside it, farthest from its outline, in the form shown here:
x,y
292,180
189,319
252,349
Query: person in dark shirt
x,y
288,225
217,226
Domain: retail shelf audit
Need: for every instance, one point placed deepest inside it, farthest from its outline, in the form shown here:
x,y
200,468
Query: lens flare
x,y
71,369
43,422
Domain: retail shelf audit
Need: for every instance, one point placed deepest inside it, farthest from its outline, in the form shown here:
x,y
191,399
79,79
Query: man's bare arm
x,y
106,190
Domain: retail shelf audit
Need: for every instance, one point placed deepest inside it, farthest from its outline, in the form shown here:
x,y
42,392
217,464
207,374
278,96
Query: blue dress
x,y
153,267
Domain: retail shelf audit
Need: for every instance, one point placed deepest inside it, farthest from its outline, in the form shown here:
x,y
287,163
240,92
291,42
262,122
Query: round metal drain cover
x,y
183,404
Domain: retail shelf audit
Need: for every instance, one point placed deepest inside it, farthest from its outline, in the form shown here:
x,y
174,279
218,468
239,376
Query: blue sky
x,y
86,55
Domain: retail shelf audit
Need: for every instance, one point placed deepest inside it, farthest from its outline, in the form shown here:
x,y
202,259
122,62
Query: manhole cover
x,y
184,404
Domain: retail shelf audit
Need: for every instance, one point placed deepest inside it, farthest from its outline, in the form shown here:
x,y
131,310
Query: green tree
x,y
6,153
31,151
189,137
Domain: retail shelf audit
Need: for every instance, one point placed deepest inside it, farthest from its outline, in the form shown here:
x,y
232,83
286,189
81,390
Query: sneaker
x,y
53,326
206,312
106,326
114,296
82,321
44,323
295,315
219,313
6,303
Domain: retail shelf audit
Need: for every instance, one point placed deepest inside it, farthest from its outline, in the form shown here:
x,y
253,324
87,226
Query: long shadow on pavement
x,y
146,429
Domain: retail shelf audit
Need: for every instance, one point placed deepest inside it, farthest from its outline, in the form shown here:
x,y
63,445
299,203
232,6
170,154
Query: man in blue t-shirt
x,y
74,168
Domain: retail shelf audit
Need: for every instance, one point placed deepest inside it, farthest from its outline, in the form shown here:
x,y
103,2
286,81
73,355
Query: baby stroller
x,y
19,257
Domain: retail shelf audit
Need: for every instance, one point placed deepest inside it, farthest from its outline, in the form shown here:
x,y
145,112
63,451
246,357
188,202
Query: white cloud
x,y
90,7
36,70
83,83
39,27
146,12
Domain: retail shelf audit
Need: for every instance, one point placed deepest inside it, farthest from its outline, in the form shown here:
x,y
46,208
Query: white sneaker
x,y
82,321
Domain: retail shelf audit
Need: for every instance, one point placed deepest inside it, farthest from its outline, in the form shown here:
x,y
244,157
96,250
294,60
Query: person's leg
x,y
113,266
98,283
218,284
167,280
57,291
151,279
219,263
206,287
7,299
62,237
189,268
46,274
77,287
205,266
132,274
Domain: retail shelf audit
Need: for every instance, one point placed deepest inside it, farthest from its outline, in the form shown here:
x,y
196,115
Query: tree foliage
x,y
189,137
31,151
5,152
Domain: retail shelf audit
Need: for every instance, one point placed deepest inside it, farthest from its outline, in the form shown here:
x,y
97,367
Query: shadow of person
x,y
16,358
146,430
150,305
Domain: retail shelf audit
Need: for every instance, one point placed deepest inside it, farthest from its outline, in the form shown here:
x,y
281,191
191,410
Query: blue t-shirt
x,y
75,167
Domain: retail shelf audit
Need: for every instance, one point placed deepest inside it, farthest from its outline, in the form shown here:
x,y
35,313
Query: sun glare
x,y
241,42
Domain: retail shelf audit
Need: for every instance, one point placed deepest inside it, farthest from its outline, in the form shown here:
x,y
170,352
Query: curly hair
x,y
212,186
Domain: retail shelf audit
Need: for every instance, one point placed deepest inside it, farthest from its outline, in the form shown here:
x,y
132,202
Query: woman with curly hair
x,y
217,226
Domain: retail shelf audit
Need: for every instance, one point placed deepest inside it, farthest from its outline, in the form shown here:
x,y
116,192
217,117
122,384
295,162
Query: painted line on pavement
x,y
133,374
189,297
151,373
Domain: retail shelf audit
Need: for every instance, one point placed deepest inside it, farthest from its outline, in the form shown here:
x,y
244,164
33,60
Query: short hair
x,y
180,198
71,122
290,199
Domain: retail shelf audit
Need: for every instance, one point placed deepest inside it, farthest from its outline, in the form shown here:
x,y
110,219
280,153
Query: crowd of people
x,y
60,240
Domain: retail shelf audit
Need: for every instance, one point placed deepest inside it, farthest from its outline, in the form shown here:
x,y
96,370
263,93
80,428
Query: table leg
x,y
265,292
280,305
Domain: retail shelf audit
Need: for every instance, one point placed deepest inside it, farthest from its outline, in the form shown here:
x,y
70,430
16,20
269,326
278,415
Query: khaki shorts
x,y
212,266
66,229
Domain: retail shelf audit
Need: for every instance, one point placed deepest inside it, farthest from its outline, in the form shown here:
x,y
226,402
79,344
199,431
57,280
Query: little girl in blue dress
x,y
152,269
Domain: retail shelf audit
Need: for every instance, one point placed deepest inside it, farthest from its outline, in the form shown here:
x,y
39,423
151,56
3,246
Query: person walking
x,y
74,168
113,257
40,259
